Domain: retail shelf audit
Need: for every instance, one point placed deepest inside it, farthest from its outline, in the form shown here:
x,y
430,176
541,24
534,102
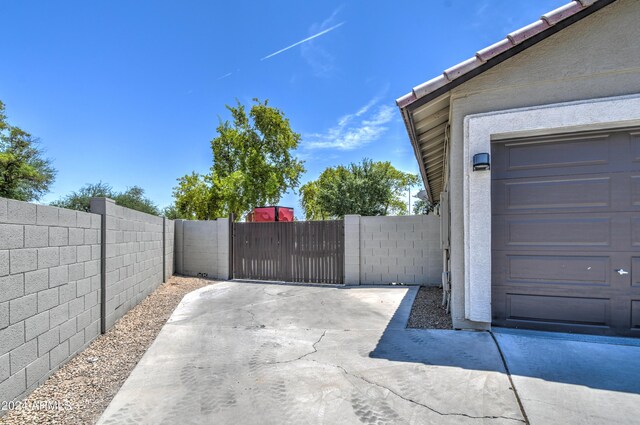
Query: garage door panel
x,y
557,232
571,194
635,146
635,272
553,154
566,232
635,315
558,270
522,159
635,190
569,310
558,193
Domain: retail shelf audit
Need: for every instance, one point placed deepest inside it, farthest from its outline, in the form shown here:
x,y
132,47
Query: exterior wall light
x,y
481,161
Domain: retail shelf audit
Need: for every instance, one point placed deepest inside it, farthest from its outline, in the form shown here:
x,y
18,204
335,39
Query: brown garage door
x,y
566,233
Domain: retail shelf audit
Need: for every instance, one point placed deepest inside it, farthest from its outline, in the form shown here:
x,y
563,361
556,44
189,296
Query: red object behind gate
x,y
270,214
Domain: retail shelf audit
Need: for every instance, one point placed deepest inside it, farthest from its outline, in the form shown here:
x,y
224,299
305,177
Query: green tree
x,y
81,199
253,165
24,173
310,203
422,206
171,212
368,188
132,198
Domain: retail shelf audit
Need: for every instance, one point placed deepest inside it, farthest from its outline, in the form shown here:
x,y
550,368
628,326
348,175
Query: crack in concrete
x,y
346,372
513,385
315,350
400,396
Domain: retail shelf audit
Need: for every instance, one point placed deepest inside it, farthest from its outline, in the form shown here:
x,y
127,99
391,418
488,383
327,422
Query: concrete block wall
x,y
202,248
223,248
352,250
404,249
169,229
133,256
49,291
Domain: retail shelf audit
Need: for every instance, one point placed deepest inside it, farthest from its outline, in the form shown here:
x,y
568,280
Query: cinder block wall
x,y
133,256
169,229
382,250
49,291
202,247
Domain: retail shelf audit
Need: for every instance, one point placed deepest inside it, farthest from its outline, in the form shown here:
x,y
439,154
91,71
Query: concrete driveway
x,y
242,353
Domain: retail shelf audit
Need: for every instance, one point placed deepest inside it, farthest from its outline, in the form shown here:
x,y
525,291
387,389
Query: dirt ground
x,y
427,311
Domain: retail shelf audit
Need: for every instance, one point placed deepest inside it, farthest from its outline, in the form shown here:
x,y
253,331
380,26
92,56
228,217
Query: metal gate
x,y
300,251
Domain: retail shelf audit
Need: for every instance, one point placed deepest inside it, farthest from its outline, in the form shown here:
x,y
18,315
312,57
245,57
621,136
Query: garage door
x,y
566,233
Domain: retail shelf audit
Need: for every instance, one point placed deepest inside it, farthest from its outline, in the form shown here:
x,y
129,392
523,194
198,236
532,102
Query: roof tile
x,y
462,68
561,13
494,50
430,86
529,31
515,38
405,100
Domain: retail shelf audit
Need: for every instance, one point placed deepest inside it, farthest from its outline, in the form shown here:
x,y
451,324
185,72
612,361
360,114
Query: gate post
x,y
352,250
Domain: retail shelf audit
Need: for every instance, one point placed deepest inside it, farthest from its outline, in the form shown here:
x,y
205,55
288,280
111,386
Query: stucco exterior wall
x,y
596,57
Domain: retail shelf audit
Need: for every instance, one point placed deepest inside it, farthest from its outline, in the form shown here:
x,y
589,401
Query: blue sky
x,y
130,93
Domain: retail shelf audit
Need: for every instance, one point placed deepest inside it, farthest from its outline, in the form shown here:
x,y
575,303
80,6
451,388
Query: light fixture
x,y
481,161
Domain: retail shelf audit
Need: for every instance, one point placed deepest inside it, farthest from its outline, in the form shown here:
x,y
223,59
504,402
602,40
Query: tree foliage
x,y
423,207
310,202
253,165
368,188
171,212
132,198
24,173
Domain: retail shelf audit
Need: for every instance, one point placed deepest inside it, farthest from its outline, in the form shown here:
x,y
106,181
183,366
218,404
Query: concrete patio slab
x,y
569,379
274,354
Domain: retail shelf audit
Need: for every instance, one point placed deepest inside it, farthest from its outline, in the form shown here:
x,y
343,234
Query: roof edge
x,y
515,42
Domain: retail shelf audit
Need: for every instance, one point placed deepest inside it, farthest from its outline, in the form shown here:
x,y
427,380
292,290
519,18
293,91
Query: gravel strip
x,y
85,386
427,311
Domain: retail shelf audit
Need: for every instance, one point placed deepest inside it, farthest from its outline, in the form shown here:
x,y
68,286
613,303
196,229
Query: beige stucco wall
x,y
596,57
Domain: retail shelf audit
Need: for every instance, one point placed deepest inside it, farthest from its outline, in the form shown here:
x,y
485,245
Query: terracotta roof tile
x,y
562,12
513,39
529,31
494,50
429,86
462,68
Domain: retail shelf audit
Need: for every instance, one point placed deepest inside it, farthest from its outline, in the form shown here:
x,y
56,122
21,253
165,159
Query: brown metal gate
x,y
300,251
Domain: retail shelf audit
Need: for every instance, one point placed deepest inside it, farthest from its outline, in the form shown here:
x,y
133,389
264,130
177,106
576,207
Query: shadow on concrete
x,y
604,364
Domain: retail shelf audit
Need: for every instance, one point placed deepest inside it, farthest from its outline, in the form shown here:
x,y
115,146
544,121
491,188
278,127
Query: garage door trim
x,y
479,131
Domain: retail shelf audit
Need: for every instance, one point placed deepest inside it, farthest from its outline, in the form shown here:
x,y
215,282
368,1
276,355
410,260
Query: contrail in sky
x,y
224,76
303,41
